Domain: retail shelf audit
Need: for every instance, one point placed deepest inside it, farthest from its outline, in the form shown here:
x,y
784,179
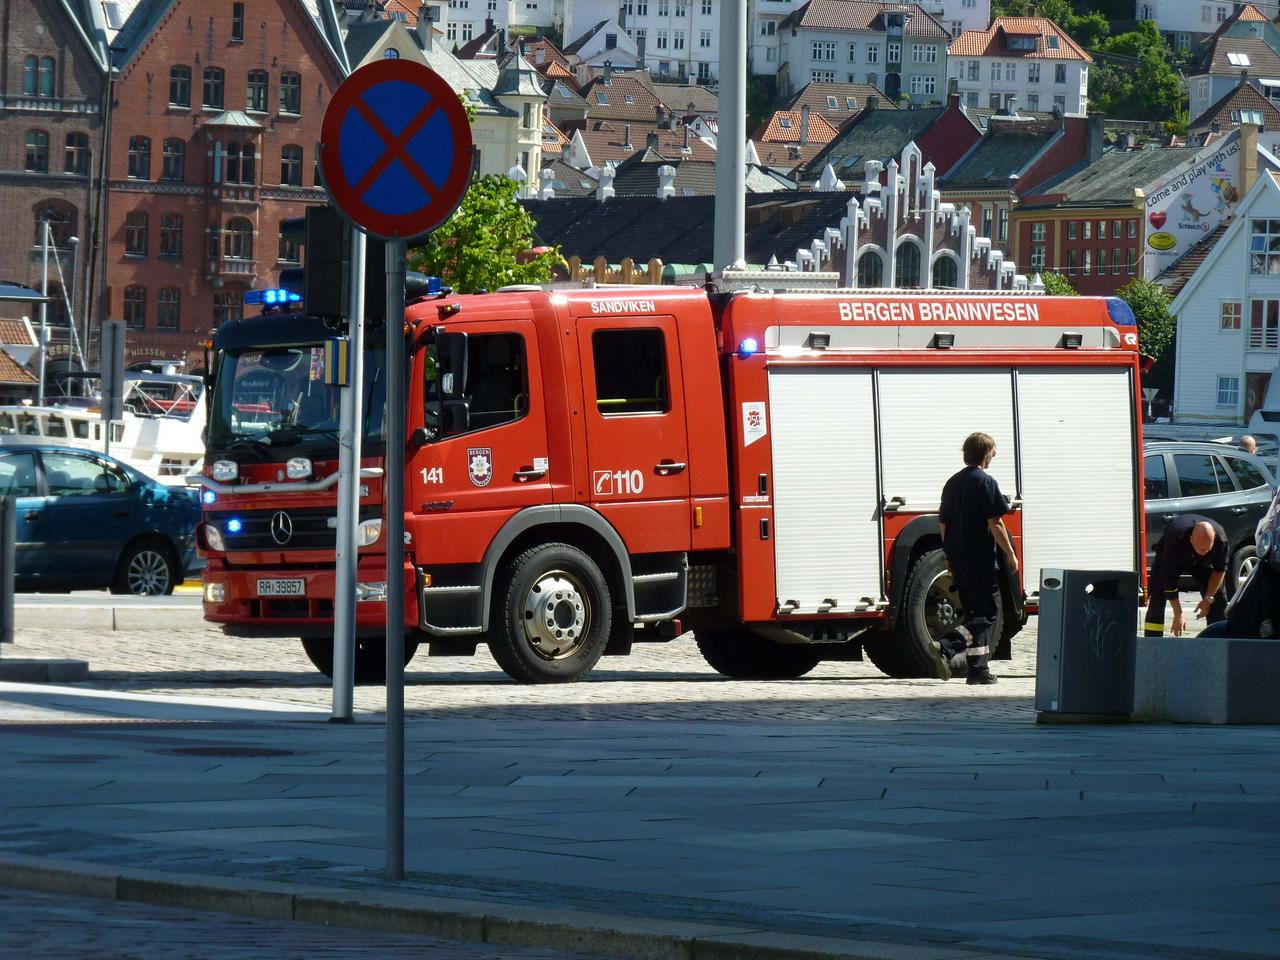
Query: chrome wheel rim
x,y
148,574
557,615
1246,567
942,609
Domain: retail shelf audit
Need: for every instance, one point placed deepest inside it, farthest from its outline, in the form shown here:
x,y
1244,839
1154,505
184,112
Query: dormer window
x,y
602,98
1238,59
1023,43
784,123
833,103
1052,42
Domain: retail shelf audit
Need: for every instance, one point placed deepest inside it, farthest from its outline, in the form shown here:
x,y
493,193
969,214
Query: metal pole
x,y
393,531
348,550
729,246
44,309
8,558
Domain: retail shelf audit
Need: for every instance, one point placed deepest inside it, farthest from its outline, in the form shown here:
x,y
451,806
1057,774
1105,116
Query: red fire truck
x,y
591,468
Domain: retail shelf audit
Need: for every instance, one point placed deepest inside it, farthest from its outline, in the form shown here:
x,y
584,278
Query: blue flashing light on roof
x,y
747,347
271,297
1120,312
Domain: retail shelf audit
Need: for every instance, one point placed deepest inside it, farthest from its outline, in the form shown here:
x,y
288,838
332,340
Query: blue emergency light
x,y
271,297
234,526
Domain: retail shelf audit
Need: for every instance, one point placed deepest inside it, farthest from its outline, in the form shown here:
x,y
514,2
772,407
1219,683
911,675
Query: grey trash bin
x,y
1087,641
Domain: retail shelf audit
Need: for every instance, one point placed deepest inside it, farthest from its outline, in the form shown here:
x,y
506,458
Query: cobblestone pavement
x,y
668,681
36,926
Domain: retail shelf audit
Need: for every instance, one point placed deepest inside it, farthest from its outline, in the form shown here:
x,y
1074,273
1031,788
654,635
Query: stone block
x,y
1206,680
19,670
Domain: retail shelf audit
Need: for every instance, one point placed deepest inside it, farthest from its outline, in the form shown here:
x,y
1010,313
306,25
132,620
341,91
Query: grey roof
x,y
475,78
234,118
1003,154
569,181
563,95
1113,178
872,135
582,40
364,35
517,78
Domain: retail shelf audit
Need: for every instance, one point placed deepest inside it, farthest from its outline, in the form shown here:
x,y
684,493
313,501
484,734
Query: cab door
x,y
637,438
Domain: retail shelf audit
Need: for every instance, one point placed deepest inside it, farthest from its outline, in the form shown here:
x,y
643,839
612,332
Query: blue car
x,y
87,521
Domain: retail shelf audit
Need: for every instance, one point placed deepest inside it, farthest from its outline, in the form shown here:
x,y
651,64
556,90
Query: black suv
x,y
1220,482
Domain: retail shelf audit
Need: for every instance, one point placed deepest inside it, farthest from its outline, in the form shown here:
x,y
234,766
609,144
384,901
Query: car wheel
x,y
1242,563
147,569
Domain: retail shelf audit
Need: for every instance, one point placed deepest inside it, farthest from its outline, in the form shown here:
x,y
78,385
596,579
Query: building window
x,y
316,179
61,218
1231,313
1033,73
140,158
30,76
37,152
135,234
168,306
894,52
291,93
227,306
213,88
1010,72
1264,247
237,29
1133,229
240,164
907,265
77,158
1033,102
1059,73
1071,230
1039,232
237,240
1002,224
47,69
135,307
704,39
1102,260
172,162
824,50
870,269
1264,325
873,53
946,273
180,86
971,98
1131,260
291,165
256,96
1071,263
707,7
1228,391
1102,229
1115,260
1037,258
1088,229
170,235
1115,229
988,219
704,70
922,84
526,117
1060,103
1086,262
822,76
290,250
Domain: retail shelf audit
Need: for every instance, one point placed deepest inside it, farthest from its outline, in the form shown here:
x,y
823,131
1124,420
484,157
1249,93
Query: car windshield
x,y
271,400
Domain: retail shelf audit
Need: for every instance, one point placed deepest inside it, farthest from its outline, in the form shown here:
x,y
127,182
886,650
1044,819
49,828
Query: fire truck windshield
x,y
272,403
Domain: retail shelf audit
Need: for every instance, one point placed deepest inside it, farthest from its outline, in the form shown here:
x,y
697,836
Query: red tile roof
x,y
17,332
785,125
788,157
607,140
990,42
11,372
1245,98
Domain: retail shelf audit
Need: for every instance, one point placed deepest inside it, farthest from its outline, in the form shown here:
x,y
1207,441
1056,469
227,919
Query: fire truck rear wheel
x,y
552,615
371,657
930,607
743,655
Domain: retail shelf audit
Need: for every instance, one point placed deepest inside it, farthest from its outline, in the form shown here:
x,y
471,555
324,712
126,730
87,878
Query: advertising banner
x,y
1189,204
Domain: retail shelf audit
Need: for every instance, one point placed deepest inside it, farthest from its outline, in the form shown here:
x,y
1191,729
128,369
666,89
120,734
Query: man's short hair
x,y
976,448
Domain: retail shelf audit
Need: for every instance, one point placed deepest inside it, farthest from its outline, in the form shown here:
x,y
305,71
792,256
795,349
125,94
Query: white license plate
x,y
282,588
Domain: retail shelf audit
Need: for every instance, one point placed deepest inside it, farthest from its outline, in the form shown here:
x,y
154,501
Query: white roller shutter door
x,y
925,414
825,497
1078,453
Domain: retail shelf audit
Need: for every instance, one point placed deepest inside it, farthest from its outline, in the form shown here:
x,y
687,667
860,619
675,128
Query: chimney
x,y
1011,106
1248,156
953,86
488,24
500,45
651,141
607,76
426,26
873,102
686,148
1093,138
804,124
661,115
626,137
666,182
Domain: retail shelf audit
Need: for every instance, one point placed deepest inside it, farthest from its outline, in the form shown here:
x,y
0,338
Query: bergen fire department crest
x,y
480,465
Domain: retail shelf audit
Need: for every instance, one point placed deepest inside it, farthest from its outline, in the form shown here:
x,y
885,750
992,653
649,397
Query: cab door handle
x,y
525,474
1167,516
667,467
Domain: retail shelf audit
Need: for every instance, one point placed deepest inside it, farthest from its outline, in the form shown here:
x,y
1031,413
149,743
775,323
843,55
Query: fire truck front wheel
x,y
930,608
371,657
743,655
552,615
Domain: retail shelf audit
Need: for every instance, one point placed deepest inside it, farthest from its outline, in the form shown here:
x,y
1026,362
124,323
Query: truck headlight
x,y
371,591
368,533
298,468
225,470
213,537
215,592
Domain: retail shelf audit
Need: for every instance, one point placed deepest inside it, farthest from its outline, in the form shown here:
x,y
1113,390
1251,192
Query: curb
x,y
19,670
635,938
107,619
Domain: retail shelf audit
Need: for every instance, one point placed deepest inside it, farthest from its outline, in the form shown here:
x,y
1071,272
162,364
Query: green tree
x,y
1156,328
1056,285
486,243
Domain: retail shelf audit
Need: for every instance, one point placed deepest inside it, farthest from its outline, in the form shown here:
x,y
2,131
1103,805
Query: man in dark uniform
x,y
1190,544
972,528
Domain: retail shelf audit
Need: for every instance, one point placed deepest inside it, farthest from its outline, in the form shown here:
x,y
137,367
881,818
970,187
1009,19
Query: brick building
x,y
216,113
52,80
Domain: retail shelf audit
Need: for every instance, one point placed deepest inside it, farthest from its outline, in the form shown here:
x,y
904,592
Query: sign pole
x,y
349,442
393,530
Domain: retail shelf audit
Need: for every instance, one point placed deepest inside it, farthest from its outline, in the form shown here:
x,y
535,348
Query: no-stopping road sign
x,y
395,149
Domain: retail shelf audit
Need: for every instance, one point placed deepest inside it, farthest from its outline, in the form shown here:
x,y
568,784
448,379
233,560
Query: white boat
x,y
161,434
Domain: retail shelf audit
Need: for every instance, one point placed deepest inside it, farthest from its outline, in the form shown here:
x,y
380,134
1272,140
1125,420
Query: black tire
x,y
930,607
1242,561
742,655
370,658
146,569
552,613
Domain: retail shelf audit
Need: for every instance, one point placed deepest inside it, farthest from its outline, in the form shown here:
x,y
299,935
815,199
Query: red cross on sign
x,y
395,149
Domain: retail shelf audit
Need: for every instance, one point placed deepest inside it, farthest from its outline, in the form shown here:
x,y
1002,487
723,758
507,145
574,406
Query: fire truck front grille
x,y
303,528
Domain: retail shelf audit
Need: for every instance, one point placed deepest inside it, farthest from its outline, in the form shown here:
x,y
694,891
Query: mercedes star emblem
x,y
281,528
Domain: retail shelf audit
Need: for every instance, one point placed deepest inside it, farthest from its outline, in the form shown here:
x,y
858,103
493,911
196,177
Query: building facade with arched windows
x,y
52,90
214,140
